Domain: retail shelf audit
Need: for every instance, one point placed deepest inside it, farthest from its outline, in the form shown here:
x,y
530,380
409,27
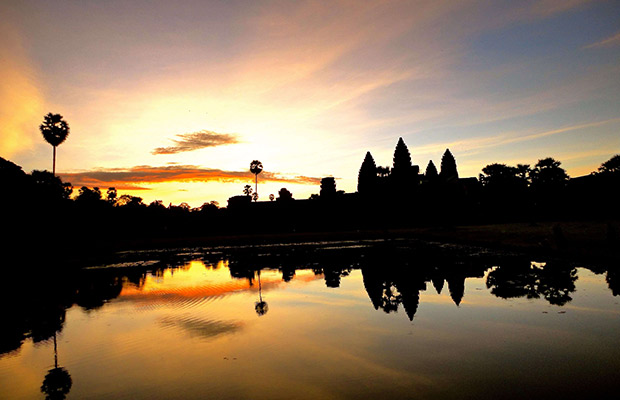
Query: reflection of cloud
x,y
129,179
607,42
200,327
197,140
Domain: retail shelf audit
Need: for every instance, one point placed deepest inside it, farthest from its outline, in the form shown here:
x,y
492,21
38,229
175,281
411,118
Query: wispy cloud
x,y
197,140
20,97
613,40
134,178
546,8
474,145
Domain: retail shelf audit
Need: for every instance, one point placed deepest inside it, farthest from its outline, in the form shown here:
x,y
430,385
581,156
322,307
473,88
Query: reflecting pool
x,y
315,321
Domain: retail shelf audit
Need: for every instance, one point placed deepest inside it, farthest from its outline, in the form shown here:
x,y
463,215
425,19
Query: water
x,y
320,321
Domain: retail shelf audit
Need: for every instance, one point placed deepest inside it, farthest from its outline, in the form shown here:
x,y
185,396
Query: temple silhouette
x,y
387,196
402,195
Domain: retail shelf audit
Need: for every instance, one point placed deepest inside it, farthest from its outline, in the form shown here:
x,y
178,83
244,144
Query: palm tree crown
x,y
55,131
256,167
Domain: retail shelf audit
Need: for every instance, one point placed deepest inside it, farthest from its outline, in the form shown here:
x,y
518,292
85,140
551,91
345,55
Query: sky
x,y
172,101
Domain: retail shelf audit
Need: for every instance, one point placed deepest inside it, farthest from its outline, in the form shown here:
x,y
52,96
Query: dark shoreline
x,y
574,240
582,242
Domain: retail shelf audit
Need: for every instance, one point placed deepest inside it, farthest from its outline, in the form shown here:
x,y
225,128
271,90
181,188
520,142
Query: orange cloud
x,y
130,179
197,140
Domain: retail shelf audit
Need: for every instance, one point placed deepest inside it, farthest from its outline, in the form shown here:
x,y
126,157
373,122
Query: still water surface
x,y
315,322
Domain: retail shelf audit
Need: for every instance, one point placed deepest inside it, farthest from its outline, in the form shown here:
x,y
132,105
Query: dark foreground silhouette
x,y
41,214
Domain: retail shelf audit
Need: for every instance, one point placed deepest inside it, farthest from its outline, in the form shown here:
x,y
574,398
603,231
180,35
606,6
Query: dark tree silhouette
x,y
130,201
501,177
515,280
613,281
505,190
548,175
611,166
523,172
111,195
556,282
50,187
256,167
209,208
367,177
448,167
553,282
247,190
87,195
549,182
284,195
272,197
156,205
55,131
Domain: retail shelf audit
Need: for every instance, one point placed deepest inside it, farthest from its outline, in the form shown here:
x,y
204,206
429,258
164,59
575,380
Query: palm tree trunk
x,y
256,185
54,162
55,347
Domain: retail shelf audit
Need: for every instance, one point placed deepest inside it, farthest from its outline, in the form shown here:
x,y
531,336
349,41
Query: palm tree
x,y
256,167
55,130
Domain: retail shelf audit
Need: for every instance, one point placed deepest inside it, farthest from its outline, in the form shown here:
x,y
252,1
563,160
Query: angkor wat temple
x,y
386,197
404,180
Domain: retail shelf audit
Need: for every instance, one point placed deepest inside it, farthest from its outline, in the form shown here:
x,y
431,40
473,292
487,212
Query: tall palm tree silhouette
x,y
55,130
256,167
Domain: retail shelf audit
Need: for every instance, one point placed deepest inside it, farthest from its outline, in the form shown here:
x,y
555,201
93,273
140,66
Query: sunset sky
x,y
173,100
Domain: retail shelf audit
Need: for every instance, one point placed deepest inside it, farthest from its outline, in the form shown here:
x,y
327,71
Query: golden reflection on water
x,y
193,332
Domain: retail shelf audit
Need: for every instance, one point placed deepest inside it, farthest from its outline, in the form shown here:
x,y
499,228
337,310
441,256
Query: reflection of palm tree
x,y
57,382
256,167
55,131
260,306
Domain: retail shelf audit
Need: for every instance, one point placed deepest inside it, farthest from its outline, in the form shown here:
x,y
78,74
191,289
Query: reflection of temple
x,y
398,283
393,275
390,288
